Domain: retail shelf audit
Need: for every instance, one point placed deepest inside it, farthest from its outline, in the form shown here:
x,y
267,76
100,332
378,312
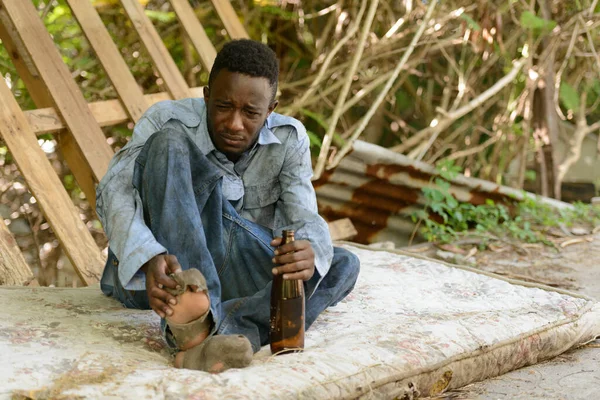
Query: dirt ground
x,y
573,375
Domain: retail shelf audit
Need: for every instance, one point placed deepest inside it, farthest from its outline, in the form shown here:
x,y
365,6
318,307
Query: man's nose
x,y
235,122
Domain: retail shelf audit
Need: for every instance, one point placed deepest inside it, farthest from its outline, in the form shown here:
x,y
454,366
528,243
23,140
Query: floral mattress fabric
x,y
412,327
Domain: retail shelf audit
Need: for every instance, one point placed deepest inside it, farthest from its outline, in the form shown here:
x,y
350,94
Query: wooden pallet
x,y
63,111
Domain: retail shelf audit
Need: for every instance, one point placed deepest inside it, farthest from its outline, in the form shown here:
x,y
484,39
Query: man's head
x,y
240,95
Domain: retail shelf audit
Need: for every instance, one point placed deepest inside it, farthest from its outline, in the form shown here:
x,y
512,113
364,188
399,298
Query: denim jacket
x,y
270,185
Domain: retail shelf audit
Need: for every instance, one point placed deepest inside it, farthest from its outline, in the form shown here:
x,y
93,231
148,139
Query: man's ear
x,y
272,107
206,92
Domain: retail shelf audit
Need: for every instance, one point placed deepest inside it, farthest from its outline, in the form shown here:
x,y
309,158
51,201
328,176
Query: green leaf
x,y
447,169
96,224
451,202
470,22
58,12
318,118
530,175
280,12
531,21
442,185
160,16
404,102
569,96
421,214
69,181
314,139
437,196
458,216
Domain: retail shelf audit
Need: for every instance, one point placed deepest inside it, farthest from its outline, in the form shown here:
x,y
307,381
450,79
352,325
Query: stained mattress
x,y
411,327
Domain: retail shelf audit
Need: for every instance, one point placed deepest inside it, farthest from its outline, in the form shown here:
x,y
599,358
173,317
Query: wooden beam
x,y
106,113
23,63
117,70
78,165
163,61
342,229
195,32
88,137
13,268
230,19
39,93
63,217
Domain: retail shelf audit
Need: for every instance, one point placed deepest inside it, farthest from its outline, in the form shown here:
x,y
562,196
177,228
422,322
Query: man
x,y
206,186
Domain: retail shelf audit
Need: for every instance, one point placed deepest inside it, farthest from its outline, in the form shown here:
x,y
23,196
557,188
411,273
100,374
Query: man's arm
x,y
120,210
297,206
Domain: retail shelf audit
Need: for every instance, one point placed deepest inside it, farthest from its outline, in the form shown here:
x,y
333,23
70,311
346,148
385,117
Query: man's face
x,y
237,106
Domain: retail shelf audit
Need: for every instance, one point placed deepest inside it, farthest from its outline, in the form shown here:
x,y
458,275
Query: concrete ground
x,y
573,375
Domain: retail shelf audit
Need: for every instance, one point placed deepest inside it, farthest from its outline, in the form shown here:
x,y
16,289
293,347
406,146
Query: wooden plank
x,y
23,63
78,165
13,268
88,136
106,113
195,32
117,70
41,97
230,19
63,217
163,62
342,229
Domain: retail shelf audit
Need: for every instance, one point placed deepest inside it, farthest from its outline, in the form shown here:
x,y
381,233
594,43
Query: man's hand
x,y
157,276
298,264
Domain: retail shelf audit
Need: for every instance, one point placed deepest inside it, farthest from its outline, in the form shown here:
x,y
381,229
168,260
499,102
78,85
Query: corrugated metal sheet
x,y
379,189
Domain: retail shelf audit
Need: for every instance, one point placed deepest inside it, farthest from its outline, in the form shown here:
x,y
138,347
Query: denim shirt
x,y
270,185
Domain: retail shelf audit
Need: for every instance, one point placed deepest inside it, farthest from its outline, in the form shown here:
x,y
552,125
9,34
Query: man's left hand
x,y
295,260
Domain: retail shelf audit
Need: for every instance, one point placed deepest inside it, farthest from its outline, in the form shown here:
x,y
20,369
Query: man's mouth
x,y
231,139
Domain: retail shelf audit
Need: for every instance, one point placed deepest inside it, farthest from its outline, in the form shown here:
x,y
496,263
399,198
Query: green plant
x,y
444,219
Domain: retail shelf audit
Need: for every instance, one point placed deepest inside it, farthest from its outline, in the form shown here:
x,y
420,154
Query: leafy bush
x,y
444,219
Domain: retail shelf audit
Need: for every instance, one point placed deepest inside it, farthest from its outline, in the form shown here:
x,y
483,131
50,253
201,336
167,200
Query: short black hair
x,y
247,57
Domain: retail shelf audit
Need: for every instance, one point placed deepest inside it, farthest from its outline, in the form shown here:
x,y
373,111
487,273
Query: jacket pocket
x,y
262,195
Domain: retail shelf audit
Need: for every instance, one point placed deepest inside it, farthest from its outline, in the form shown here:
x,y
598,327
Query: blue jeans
x,y
185,209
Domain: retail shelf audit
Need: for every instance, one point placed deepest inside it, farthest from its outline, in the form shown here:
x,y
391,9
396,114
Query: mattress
x,y
412,327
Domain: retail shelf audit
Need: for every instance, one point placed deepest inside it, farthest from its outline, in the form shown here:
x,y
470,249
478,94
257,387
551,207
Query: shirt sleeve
x,y
297,206
120,210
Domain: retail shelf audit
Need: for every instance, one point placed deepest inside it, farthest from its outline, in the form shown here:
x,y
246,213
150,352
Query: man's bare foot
x,y
190,324
190,306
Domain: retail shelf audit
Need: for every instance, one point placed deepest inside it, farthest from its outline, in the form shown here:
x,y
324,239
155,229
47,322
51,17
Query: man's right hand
x,y
157,272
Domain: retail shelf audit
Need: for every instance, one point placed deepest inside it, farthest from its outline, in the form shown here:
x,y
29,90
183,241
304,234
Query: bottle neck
x,y
288,236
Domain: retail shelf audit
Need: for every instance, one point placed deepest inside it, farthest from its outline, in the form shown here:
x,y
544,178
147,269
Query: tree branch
x,y
449,118
476,149
386,88
527,114
590,41
337,112
315,83
593,7
560,72
594,127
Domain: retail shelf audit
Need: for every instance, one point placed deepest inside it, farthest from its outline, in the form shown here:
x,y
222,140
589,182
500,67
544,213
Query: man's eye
x,y
222,107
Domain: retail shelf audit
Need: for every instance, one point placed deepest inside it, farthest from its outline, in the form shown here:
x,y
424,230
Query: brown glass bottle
x,y
287,311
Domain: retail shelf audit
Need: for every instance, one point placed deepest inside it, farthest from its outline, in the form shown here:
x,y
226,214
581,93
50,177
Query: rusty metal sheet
x,y
379,189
